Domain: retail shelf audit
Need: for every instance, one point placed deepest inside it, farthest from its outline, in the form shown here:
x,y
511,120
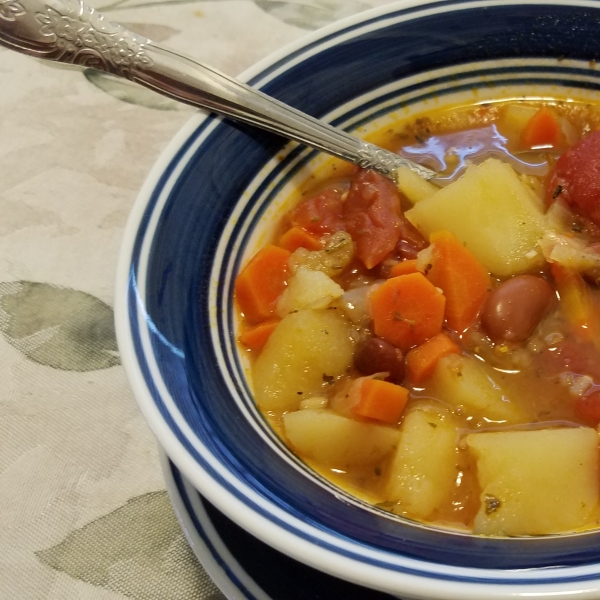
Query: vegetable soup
x,y
436,350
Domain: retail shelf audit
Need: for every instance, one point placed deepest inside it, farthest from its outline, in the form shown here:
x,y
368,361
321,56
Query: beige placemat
x,y
83,507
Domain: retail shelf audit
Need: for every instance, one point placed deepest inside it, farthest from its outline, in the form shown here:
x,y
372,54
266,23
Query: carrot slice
x,y
422,360
463,279
381,400
256,337
261,282
542,130
404,267
576,302
296,237
407,310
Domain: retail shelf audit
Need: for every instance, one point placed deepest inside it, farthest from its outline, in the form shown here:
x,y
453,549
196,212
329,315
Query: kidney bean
x,y
376,355
516,306
411,242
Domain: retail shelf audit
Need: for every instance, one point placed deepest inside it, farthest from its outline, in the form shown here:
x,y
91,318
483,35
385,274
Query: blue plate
x,y
212,197
242,566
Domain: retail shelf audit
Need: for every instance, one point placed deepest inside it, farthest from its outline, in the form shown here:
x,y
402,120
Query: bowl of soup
x,y
395,382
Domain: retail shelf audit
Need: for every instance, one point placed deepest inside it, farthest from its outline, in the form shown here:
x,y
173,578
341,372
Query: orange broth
x,y
553,375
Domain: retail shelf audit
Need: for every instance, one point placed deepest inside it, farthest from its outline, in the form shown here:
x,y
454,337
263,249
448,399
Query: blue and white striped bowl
x,y
213,196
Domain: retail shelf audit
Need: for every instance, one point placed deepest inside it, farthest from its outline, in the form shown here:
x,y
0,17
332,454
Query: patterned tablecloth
x,y
83,508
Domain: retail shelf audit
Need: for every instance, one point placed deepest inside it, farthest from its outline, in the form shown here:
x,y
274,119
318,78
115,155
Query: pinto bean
x,y
376,355
514,309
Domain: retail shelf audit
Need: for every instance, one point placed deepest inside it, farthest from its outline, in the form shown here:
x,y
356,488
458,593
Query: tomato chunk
x,y
588,408
320,214
372,215
573,356
576,177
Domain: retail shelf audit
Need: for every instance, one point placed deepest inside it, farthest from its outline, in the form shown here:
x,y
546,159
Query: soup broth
x,y
435,350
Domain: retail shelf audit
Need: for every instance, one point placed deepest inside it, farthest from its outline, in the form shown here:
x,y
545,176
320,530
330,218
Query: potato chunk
x,y
305,351
308,289
338,441
423,472
413,186
536,482
491,211
467,382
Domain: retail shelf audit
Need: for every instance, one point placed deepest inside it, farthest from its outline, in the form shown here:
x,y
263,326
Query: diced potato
x,y
305,351
467,382
308,289
492,213
338,441
413,186
536,482
423,472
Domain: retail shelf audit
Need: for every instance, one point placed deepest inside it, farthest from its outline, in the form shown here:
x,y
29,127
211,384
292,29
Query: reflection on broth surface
x,y
435,351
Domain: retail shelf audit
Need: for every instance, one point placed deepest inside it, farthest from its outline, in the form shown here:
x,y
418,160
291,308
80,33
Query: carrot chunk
x,y
404,267
261,282
542,130
381,400
407,310
256,337
463,279
422,360
297,237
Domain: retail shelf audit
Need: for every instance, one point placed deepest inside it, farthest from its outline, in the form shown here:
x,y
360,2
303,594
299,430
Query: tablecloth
x,y
84,513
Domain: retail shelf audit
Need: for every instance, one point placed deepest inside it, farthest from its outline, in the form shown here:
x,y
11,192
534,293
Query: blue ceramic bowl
x,y
210,200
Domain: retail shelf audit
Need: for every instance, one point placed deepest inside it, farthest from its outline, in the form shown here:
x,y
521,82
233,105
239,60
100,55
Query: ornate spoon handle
x,y
69,31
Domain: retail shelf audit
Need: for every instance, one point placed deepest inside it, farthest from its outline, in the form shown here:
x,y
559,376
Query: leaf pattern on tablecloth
x,y
58,327
137,550
311,14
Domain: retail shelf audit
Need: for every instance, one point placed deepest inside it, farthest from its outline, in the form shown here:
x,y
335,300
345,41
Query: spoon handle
x,y
69,31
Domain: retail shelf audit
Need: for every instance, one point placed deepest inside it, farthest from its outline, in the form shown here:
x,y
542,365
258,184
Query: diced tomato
x,y
576,177
372,215
320,214
574,356
587,408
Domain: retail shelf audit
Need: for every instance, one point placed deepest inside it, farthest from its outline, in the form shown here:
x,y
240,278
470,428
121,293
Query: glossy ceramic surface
x,y
212,197
243,567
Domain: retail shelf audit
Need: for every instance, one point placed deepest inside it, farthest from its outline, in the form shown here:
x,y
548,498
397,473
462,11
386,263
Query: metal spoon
x,y
69,31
